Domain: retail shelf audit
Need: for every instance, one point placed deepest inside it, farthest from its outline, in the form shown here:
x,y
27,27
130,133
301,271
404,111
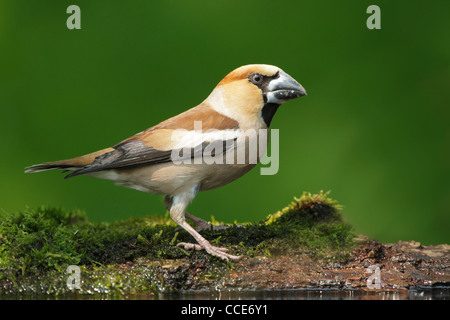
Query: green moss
x,y
312,224
140,254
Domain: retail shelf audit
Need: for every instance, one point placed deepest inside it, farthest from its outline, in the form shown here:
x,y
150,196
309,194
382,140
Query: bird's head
x,y
254,92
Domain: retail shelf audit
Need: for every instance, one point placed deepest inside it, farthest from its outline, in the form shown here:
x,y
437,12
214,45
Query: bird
x,y
196,150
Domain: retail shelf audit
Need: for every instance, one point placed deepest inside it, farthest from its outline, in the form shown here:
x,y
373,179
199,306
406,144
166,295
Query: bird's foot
x,y
213,250
201,224
207,226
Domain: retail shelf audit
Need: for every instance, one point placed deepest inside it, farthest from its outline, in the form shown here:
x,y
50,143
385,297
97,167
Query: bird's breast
x,y
222,174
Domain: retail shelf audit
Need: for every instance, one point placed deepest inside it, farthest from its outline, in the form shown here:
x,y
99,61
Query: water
x,y
420,293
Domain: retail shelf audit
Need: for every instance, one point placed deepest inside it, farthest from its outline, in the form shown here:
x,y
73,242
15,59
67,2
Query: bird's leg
x,y
177,213
200,224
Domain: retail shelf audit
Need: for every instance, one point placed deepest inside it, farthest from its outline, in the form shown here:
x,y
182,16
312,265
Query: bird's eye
x,y
256,78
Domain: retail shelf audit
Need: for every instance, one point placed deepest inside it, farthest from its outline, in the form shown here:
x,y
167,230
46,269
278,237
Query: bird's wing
x,y
175,136
203,115
128,155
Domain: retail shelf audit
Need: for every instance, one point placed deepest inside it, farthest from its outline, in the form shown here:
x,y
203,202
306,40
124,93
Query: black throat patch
x,y
268,111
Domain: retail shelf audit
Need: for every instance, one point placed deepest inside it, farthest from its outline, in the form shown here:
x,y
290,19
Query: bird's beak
x,y
284,88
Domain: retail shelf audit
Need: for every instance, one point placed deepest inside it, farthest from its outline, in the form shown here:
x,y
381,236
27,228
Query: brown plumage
x,y
245,100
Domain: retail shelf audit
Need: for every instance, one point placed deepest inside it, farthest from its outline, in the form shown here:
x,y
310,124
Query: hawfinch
x,y
202,148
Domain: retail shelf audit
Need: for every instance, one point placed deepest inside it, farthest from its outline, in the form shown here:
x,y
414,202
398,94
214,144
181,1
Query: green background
x,y
374,128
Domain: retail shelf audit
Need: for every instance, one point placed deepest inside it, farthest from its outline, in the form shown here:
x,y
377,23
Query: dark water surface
x,y
419,293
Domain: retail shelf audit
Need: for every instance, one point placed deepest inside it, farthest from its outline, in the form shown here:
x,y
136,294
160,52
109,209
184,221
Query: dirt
x,y
402,265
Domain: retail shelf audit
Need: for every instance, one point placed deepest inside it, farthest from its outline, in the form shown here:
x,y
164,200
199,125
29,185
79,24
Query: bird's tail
x,y
68,164
46,166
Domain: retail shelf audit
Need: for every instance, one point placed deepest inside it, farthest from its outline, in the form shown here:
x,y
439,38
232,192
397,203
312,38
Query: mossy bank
x,y
139,255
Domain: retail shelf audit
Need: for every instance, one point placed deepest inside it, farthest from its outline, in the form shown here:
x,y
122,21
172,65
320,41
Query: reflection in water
x,y
420,293
442,293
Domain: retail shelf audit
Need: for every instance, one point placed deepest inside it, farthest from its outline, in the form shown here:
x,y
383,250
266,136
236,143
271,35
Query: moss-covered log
x,y
140,256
